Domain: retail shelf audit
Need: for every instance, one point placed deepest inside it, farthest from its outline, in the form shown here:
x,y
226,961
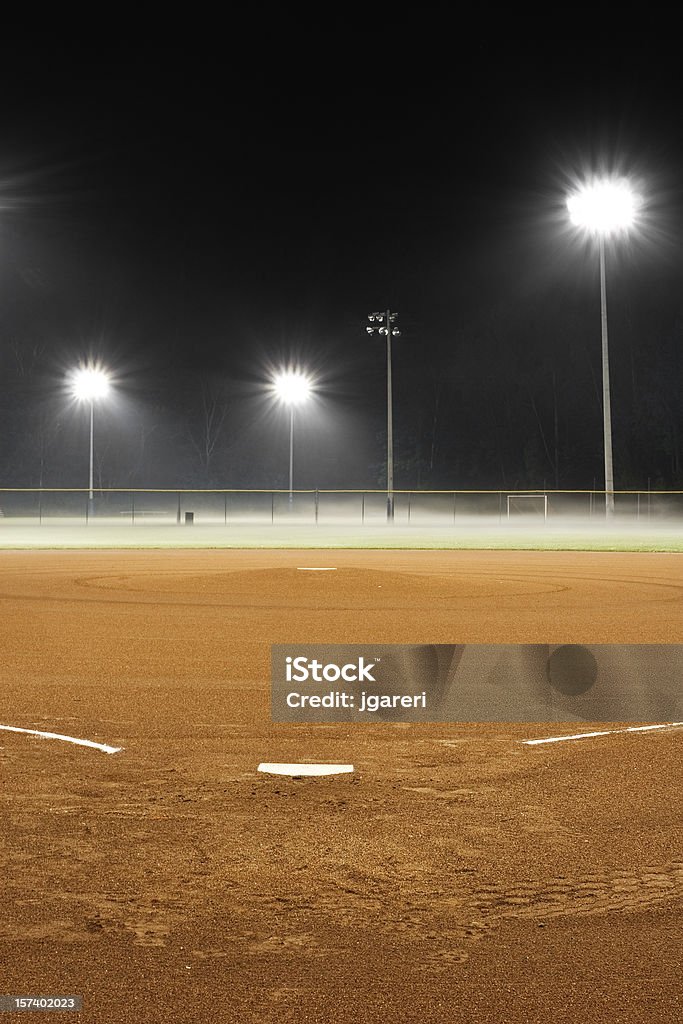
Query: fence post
x,y
132,508
272,507
87,510
362,508
225,508
178,519
410,496
317,502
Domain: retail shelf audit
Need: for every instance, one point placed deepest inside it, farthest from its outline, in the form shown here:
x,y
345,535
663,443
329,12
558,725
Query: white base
x,y
305,769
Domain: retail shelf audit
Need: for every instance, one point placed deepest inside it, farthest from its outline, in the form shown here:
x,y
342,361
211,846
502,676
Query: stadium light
x,y
89,384
386,320
292,388
603,208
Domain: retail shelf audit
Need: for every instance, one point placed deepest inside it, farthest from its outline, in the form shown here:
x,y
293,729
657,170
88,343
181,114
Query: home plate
x,y
305,769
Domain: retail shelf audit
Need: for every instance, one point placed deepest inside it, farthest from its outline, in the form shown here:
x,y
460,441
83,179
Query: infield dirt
x,y
456,876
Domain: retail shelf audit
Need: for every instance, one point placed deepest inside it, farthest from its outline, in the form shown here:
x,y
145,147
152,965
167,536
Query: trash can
x,y
189,518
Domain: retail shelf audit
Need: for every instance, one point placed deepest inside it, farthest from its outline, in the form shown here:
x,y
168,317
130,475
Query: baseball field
x,y
457,875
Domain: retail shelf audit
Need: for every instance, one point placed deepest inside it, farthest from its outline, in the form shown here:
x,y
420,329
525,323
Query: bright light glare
x,y
603,207
89,383
292,387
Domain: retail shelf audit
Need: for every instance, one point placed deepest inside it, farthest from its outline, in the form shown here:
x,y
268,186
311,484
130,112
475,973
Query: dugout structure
x,y
533,506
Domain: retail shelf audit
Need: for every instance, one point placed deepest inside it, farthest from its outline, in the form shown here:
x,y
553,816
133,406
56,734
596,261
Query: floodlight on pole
x,y
89,384
604,208
386,319
293,388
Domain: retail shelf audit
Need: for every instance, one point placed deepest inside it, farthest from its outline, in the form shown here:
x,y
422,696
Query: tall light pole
x,y
386,319
88,384
292,388
604,207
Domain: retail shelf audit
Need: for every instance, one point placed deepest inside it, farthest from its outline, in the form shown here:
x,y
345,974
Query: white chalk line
x,y
316,568
603,732
67,739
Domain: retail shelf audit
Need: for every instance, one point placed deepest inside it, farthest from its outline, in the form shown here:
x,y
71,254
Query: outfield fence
x,y
184,507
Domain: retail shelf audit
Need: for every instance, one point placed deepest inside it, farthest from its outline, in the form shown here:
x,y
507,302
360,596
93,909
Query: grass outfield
x,y
468,535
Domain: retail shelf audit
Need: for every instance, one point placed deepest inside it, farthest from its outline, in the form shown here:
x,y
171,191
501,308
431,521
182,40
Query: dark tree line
x,y
499,403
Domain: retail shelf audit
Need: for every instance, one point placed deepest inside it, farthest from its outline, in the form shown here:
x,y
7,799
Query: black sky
x,y
196,209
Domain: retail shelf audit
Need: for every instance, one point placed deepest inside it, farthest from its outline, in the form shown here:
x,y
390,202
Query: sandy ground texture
x,y
457,875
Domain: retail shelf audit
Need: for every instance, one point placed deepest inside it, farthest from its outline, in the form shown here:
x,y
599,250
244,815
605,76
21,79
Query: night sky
x,y
194,215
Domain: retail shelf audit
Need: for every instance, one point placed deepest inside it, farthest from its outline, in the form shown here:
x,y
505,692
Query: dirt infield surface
x,y
457,875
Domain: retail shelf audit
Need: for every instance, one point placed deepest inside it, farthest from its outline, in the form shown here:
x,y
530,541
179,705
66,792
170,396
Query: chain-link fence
x,y
138,507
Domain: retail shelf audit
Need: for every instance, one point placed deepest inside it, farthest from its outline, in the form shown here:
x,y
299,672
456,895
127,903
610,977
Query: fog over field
x,y
470,532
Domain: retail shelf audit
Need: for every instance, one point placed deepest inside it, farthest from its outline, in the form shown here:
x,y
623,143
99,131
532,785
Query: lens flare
x,y
89,383
292,387
603,207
